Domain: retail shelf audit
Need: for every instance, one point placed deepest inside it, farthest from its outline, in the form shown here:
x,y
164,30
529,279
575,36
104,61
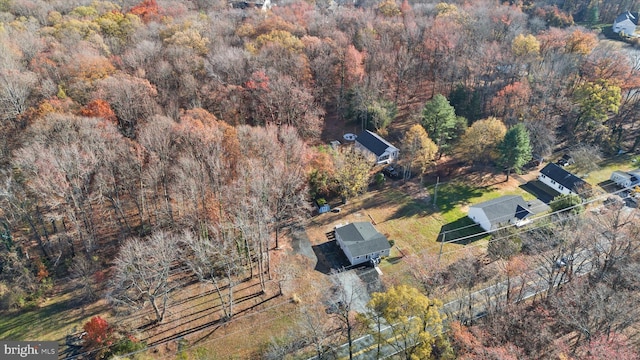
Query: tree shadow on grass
x,y
462,231
453,194
44,319
412,208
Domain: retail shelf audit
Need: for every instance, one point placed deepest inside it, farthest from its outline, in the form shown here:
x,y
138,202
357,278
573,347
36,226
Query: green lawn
x,y
51,321
622,162
416,226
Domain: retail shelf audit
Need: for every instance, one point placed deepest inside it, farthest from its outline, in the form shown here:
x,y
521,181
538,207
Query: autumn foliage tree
x,y
596,101
351,172
100,109
147,10
99,333
479,144
414,319
419,150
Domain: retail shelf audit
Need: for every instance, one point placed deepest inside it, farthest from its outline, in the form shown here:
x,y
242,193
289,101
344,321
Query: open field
x,y
405,213
52,320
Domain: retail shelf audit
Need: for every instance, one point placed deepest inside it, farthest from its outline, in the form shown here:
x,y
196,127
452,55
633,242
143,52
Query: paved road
x,y
477,304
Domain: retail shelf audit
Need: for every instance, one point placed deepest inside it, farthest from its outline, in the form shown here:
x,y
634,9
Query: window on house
x,y
560,187
553,182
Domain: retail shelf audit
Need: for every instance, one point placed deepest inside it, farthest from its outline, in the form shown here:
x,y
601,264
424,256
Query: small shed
x,y
324,209
361,242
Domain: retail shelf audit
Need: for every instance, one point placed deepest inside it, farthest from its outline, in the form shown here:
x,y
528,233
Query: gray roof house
x,y
380,148
626,23
361,242
563,181
492,214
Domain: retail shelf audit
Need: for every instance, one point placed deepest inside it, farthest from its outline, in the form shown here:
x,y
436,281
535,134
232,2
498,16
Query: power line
x,y
185,269
529,229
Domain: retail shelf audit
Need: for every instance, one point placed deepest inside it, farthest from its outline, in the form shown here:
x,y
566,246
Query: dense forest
x,y
144,140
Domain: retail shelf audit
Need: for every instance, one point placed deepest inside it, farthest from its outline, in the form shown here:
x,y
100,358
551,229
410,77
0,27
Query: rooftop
x,y
362,238
565,178
374,142
504,208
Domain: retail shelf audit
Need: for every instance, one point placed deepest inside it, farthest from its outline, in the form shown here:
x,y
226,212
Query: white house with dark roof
x,y
563,181
380,148
493,214
626,23
361,242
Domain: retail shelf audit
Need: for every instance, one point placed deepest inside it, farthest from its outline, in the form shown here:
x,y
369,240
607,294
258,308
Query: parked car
x,y
565,160
391,172
534,162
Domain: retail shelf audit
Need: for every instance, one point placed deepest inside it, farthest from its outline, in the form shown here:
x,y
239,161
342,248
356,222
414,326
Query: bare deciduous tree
x,y
15,88
214,260
143,273
131,98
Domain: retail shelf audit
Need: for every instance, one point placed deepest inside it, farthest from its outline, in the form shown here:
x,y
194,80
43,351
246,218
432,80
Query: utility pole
x,y
441,245
435,193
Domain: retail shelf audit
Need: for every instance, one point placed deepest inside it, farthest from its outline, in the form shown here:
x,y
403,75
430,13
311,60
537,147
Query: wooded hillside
x,y
183,137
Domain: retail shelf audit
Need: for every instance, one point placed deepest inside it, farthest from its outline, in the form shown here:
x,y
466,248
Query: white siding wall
x,y
366,258
621,178
554,185
627,26
480,218
344,248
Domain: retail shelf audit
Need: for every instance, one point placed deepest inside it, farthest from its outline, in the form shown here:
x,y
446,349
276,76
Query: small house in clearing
x,y
381,149
626,23
492,214
624,179
361,242
563,181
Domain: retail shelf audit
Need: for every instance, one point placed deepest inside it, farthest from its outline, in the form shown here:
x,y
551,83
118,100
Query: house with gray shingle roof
x,y
380,148
626,23
361,242
492,214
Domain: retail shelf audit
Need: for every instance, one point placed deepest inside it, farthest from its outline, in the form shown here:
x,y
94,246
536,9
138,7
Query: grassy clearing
x,y
415,225
240,341
622,162
51,321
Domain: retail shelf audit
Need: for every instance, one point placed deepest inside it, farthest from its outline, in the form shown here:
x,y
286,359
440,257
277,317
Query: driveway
x,y
330,257
537,206
540,190
301,244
